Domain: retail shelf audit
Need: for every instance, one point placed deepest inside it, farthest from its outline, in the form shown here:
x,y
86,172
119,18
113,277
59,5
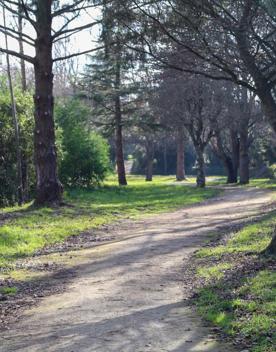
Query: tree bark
x,y
21,49
271,249
231,175
119,148
226,158
48,186
201,177
244,139
263,88
118,122
165,155
244,156
149,156
25,169
180,165
235,154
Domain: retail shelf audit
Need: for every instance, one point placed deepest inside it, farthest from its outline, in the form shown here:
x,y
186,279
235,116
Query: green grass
x,y
252,238
31,229
263,183
244,307
213,271
8,290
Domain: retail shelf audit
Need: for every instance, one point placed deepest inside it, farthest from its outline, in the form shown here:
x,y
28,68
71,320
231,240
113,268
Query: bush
x,y
272,171
84,155
8,159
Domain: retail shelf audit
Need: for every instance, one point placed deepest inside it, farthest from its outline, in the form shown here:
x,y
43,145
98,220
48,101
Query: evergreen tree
x,y
108,79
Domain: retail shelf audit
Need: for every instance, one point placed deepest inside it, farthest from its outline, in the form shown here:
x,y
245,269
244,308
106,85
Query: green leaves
x,y
84,155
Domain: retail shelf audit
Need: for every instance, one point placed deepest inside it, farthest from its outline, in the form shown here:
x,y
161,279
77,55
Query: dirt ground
x,y
128,295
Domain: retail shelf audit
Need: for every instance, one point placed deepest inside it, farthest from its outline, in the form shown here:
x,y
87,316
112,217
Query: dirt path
x,y
128,296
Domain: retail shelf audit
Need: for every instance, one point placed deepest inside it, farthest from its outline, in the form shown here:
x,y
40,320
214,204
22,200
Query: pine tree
x,y
108,78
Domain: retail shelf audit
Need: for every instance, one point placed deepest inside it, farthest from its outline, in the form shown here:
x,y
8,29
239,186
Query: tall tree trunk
x,y
119,146
165,156
21,49
235,154
25,183
244,157
201,177
15,123
118,122
48,186
180,164
231,174
149,157
244,140
226,159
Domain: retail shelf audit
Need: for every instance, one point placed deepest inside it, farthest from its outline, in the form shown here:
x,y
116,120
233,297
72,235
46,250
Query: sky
x,y
82,41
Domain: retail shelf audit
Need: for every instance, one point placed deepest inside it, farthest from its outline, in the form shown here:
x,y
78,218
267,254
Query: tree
x,y
109,80
84,154
232,41
193,103
40,15
180,163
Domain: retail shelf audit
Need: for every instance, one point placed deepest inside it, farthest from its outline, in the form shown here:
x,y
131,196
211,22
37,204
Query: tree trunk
x,y
235,153
201,177
25,183
180,165
271,249
48,186
231,174
15,123
119,149
244,140
244,157
263,87
226,159
149,166
118,121
21,49
165,152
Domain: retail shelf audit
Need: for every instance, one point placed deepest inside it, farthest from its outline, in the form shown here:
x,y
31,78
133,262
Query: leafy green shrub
x,y
8,160
84,155
272,171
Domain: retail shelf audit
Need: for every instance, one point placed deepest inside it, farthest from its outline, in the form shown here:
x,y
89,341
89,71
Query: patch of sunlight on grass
x,y
252,238
215,309
214,272
249,310
263,183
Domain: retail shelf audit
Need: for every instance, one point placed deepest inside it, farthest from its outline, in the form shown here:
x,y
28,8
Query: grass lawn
x,y
239,289
26,230
264,183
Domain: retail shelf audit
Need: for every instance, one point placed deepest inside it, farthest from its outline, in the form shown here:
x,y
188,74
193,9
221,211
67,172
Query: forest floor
x,y
134,293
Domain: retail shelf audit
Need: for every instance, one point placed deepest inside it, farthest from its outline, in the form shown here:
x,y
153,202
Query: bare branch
x,y
20,56
77,54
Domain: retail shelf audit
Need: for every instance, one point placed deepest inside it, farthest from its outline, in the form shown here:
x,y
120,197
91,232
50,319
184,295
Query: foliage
x,y
29,229
84,156
8,290
272,171
24,105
